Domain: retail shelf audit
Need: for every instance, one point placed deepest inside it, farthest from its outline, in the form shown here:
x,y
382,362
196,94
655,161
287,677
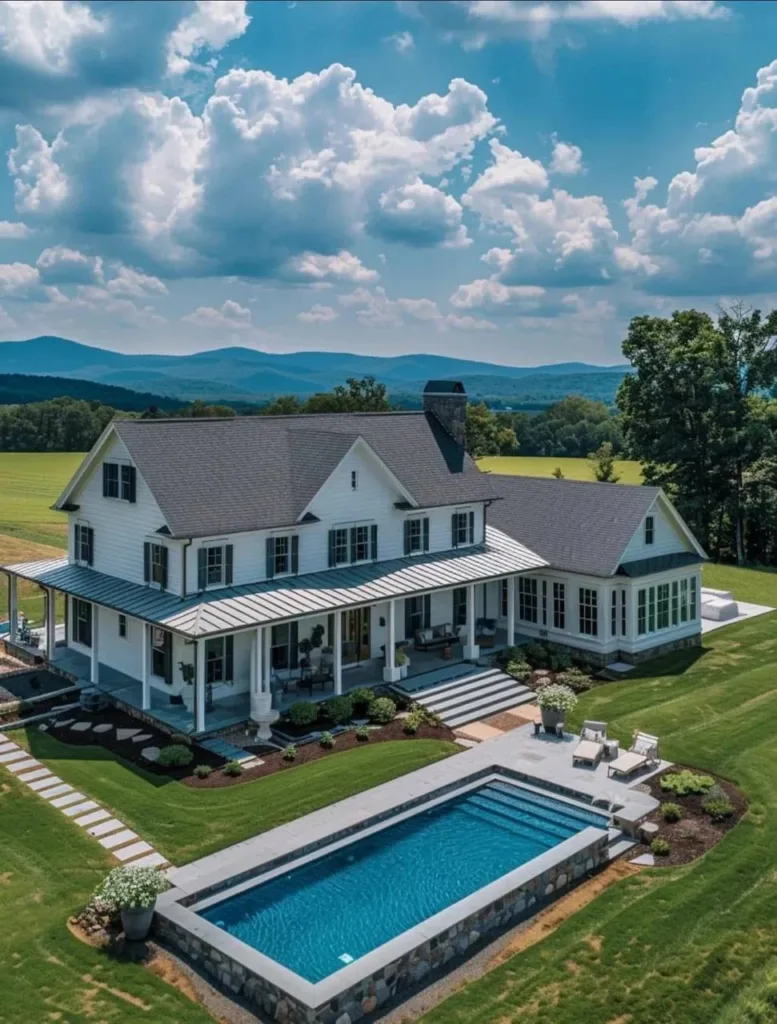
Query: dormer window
x,y
354,480
119,481
84,544
462,529
650,529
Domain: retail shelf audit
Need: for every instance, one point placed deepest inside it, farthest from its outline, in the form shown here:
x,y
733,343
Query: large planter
x,y
137,922
551,718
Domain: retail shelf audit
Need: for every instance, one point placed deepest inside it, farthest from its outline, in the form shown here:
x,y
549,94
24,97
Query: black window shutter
x,y
89,623
425,533
427,610
454,531
374,542
407,536
270,549
472,527
294,554
168,642
294,645
229,658
330,630
77,541
105,479
202,578
353,543
89,544
164,567
228,560
331,548
147,561
132,483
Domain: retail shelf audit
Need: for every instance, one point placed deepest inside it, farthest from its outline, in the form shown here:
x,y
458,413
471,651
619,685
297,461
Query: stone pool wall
x,y
417,966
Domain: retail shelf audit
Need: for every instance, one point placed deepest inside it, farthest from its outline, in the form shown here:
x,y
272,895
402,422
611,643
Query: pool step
x,y
520,818
509,824
474,696
576,817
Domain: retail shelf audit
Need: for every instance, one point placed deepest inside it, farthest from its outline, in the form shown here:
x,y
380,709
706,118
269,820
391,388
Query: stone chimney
x,y
447,401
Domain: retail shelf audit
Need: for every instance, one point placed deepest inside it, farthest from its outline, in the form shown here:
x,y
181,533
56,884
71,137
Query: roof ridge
x,y
260,416
566,480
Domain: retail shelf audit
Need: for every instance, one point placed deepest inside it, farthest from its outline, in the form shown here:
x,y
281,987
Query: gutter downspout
x,y
186,545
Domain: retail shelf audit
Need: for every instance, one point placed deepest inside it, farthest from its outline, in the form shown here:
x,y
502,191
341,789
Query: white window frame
x,y
366,528
588,611
354,479
123,620
416,522
462,528
154,565
346,560
220,582
650,528
78,549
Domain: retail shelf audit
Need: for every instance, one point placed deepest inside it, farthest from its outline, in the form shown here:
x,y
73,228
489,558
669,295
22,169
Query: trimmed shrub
x,y
537,655
560,662
361,697
175,756
202,771
181,737
660,847
233,769
382,710
290,753
671,812
327,740
362,734
423,716
717,805
518,669
685,783
338,710
411,725
575,679
302,713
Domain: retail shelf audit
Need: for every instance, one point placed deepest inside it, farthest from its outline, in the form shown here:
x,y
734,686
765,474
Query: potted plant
x,y
554,702
132,892
402,662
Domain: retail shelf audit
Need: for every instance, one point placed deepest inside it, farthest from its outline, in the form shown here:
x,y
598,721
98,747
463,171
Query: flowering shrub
x,y
382,710
129,888
556,697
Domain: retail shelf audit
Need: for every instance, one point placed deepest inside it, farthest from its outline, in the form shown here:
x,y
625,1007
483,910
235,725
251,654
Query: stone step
x,y
118,838
36,773
151,860
127,853
105,827
75,809
92,818
40,785
23,766
468,682
66,801
13,755
56,791
492,688
502,703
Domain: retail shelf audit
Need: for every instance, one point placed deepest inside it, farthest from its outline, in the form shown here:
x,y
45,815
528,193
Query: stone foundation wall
x,y
655,652
421,964
633,658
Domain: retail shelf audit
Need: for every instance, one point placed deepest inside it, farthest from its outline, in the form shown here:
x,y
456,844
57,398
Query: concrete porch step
x,y
491,687
492,707
461,685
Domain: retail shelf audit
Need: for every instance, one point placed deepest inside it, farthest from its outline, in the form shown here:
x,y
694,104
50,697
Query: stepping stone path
x,y
112,834
81,726
42,727
646,860
62,722
144,737
103,727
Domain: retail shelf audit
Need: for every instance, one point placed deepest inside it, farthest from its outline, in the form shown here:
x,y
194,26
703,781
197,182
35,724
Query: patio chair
x,y
591,745
643,752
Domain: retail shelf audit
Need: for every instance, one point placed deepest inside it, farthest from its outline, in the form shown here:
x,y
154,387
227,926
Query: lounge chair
x,y
591,745
642,752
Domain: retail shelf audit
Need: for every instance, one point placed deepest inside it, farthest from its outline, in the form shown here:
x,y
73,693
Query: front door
x,y
356,636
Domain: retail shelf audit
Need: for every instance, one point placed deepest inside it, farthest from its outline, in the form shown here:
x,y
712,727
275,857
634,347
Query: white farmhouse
x,y
217,566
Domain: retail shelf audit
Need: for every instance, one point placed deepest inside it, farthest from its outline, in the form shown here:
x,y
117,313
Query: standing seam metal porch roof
x,y
256,604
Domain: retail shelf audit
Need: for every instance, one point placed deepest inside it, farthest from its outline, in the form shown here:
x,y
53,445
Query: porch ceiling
x,y
256,604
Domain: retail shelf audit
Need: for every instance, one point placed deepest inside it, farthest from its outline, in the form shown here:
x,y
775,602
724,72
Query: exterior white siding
x,y
120,528
668,539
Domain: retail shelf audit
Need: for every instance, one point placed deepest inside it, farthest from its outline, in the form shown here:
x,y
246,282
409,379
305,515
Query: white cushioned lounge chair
x,y
642,753
591,745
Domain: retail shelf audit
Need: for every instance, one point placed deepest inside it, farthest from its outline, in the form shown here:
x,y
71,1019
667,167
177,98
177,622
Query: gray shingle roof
x,y
215,476
575,525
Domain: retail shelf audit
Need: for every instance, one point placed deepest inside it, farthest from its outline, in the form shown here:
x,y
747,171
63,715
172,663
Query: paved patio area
x,y
746,611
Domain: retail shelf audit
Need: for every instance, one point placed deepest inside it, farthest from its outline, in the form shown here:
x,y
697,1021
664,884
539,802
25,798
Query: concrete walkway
x,y
111,833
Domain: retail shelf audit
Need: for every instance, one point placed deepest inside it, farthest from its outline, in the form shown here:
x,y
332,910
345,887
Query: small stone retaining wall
x,y
419,965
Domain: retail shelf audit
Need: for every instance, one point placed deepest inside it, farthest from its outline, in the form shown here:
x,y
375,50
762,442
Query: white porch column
x,y
471,649
145,675
95,673
254,666
338,653
13,609
510,610
261,699
391,669
266,659
199,697
51,623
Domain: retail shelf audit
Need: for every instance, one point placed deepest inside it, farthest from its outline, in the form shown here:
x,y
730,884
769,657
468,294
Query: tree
x,y
365,395
603,464
486,435
557,473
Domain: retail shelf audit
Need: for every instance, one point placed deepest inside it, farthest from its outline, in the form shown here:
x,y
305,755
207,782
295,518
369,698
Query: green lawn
x,y
757,586
695,945
187,823
48,868
573,469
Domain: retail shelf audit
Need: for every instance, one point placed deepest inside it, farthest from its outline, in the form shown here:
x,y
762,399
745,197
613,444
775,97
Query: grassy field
x,y
693,945
573,469
187,823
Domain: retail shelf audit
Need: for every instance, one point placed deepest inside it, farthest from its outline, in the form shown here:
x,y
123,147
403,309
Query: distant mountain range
x,y
235,374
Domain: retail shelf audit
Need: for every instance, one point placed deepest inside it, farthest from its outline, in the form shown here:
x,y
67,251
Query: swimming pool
x,y
323,915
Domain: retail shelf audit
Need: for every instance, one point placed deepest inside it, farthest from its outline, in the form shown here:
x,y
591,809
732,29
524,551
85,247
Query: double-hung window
x,y
623,612
662,606
360,543
642,612
416,536
589,611
460,606
155,564
614,613
284,649
559,605
675,602
527,598
219,659
338,546
462,529
84,544
119,481
282,555
504,590
350,544
82,622
214,566
123,630
650,529
651,609
162,653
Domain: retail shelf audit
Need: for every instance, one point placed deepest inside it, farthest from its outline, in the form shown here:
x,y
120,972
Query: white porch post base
x,y
13,609
391,675
263,714
471,652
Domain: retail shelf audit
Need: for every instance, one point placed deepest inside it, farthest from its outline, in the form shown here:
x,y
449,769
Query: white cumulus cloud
x,y
566,159
230,315
318,314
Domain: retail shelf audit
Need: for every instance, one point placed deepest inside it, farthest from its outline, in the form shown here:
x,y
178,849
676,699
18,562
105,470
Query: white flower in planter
x,y
129,888
556,697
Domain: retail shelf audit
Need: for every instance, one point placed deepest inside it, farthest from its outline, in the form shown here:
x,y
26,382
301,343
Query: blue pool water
x,y
320,916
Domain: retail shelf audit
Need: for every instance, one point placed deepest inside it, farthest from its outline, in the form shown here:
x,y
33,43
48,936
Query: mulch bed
x,y
695,833
314,751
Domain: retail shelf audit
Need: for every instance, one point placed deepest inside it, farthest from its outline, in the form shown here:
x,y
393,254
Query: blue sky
x,y
496,179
